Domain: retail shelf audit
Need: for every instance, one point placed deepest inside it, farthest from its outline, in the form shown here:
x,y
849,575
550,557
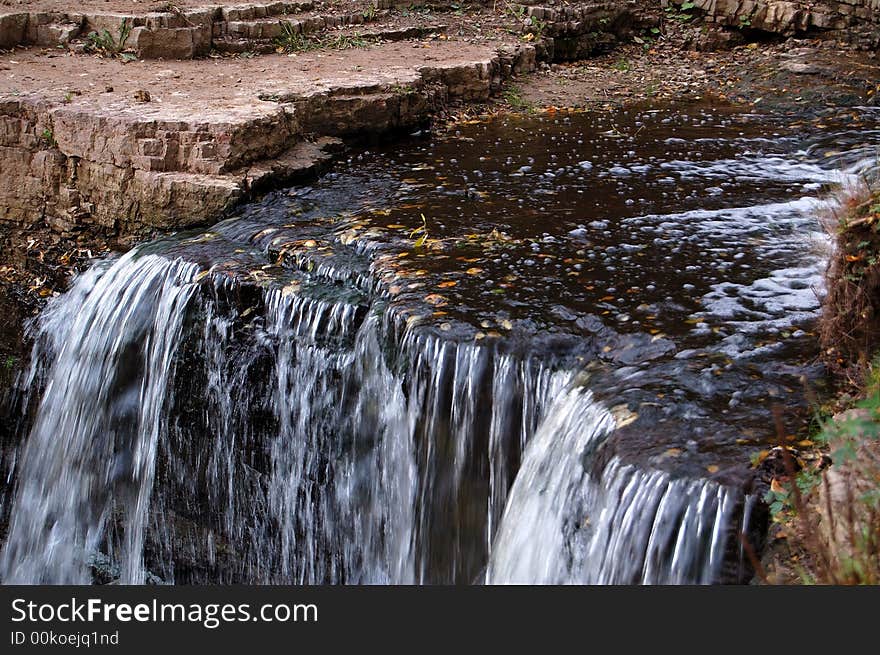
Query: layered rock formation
x,y
129,141
112,159
786,17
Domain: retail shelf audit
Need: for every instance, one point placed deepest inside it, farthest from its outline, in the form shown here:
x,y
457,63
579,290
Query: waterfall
x,y
195,428
569,522
94,442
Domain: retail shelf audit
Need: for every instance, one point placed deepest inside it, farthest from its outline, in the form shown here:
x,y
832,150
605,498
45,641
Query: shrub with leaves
x,y
834,513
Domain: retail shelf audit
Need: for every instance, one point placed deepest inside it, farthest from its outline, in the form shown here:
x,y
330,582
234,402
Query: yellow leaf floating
x,y
474,271
435,299
291,288
623,416
447,284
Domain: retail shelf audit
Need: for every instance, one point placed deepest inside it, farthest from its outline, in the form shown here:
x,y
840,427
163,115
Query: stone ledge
x,y
191,152
788,17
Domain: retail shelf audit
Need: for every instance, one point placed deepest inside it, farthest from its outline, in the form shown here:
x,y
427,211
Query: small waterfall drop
x,y
570,522
227,433
92,450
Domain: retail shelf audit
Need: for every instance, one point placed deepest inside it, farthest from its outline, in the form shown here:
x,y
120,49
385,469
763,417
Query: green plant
x,y
104,42
530,27
292,40
345,42
680,13
621,65
513,96
837,523
48,137
745,20
369,12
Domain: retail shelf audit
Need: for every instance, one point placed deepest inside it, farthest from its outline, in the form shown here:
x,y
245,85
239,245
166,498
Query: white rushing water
x,y
566,523
368,468
92,449
280,444
277,419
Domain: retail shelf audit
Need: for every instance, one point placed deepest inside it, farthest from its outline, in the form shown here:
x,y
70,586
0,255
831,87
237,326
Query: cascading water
x,y
101,417
335,495
305,395
568,522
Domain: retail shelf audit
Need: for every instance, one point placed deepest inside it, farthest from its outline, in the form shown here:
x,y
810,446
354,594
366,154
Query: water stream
x,y
534,349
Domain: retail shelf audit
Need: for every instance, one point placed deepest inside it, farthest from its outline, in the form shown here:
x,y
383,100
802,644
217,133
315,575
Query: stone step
x,y
172,34
272,28
176,143
336,38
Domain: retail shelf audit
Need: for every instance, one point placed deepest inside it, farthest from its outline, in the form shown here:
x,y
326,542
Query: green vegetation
x,y
681,13
834,516
513,96
48,138
104,43
530,27
292,40
621,65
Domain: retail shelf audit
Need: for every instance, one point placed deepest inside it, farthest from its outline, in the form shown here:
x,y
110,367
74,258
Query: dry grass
x,y
831,515
850,326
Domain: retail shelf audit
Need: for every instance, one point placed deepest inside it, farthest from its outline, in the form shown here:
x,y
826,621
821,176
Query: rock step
x,y
273,28
785,17
177,34
179,143
339,38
